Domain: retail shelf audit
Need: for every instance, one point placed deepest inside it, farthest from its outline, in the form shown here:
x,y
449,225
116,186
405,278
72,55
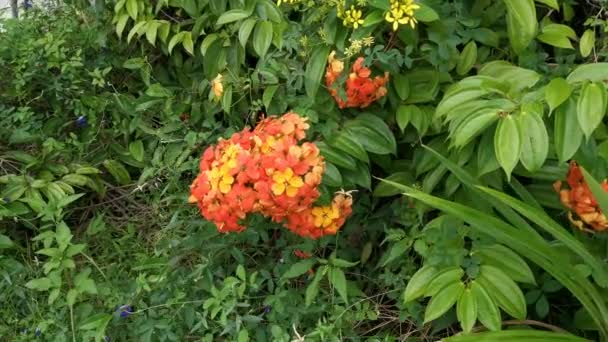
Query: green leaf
x,y
521,23
137,29
513,335
417,285
209,39
177,38
313,288
404,115
568,135
245,31
74,179
557,35
508,261
5,242
402,86
136,149
243,336
262,37
157,90
338,280
591,107
315,70
269,94
466,310
96,322
134,63
132,7
231,16
535,140
487,311
374,17
443,301
551,3
557,92
467,59
345,142
336,157
40,284
299,268
507,144
486,157
240,273
118,171
373,134
227,99
587,42
443,278
384,189
473,125
342,263
121,23
594,72
151,31
332,176
425,13
187,42
503,290
397,250
601,196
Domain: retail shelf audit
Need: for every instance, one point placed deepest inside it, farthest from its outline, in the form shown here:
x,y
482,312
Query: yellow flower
x,y
225,183
352,17
402,13
286,182
217,87
324,216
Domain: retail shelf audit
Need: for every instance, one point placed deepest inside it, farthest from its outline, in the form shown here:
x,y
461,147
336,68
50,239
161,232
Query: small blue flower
x,y
125,310
27,4
82,122
107,338
267,309
37,332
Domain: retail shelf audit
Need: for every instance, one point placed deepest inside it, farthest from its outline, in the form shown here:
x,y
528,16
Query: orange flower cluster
x,y
361,89
271,172
578,197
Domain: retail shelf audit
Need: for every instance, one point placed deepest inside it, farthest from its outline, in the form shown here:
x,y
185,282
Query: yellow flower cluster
x,y
352,17
402,13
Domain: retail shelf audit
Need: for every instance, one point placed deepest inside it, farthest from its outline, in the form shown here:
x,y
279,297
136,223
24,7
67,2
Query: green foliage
x,y
105,111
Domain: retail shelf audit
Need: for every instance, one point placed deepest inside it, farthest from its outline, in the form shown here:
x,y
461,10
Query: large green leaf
x,y
507,144
503,290
556,92
567,134
595,72
443,300
487,311
506,260
535,140
516,336
466,310
262,37
416,286
591,107
521,23
315,70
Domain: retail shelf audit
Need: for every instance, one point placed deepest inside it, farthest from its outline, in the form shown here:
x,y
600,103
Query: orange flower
x,y
267,171
579,198
361,89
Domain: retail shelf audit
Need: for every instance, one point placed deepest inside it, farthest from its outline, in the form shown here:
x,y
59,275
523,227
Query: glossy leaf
x,y
262,37
514,335
416,286
568,135
467,59
507,144
345,142
231,16
443,278
245,31
503,290
587,42
466,310
557,92
506,260
591,107
315,70
535,140
594,72
338,280
487,311
443,301
521,23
